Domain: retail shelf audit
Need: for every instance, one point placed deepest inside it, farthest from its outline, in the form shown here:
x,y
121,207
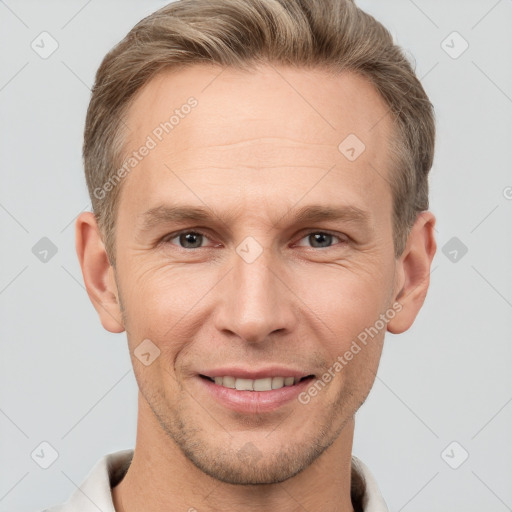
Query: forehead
x,y
257,133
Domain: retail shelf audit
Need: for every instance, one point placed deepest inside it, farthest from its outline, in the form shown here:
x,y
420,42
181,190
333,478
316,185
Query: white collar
x,y
95,493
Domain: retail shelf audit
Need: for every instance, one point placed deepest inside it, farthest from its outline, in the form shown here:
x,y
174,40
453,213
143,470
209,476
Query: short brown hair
x,y
330,34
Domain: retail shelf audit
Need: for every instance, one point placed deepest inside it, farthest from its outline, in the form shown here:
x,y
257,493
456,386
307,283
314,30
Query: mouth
x,y
266,392
261,384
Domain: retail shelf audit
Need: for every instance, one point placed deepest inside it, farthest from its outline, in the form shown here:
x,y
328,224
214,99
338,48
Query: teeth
x,y
228,382
277,382
244,384
265,384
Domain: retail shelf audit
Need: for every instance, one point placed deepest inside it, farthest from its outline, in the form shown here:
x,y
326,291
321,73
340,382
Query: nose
x,y
255,300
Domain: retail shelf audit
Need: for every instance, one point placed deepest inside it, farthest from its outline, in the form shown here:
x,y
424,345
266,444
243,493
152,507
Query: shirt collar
x,y
95,493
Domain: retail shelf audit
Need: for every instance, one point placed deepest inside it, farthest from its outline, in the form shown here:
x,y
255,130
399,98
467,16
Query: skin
x,y
258,147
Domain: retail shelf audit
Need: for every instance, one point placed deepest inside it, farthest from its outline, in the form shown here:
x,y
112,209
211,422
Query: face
x,y
249,246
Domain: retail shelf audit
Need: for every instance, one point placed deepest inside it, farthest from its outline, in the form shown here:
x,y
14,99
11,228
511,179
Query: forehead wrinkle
x,y
260,140
272,152
252,167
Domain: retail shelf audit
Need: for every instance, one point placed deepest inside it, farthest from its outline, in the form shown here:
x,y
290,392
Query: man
x,y
258,171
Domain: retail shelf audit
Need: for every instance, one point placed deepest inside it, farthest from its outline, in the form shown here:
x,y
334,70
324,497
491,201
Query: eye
x,y
321,239
186,239
196,239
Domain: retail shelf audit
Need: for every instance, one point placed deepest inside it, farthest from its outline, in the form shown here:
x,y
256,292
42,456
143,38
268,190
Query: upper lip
x,y
261,373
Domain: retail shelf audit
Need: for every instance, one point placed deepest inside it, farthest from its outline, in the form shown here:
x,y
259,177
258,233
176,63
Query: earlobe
x,y
413,272
97,272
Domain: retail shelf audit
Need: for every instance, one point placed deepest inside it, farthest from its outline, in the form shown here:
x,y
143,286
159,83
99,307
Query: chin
x,y
256,462
249,466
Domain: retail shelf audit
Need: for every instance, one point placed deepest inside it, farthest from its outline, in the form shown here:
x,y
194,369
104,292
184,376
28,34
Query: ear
x,y
97,272
413,272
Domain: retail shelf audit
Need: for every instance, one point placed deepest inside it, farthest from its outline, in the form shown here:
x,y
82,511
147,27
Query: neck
x,y
160,478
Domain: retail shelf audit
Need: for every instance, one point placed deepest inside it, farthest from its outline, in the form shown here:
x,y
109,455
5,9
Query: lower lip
x,y
254,401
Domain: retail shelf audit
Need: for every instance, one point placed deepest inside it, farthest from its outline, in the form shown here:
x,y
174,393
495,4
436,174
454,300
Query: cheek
x,y
343,301
160,301
157,304
165,304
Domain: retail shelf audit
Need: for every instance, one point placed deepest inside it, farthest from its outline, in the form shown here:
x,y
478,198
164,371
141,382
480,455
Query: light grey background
x,y
66,381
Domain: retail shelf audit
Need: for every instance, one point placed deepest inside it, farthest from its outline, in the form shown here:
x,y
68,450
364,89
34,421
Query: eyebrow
x,y
314,213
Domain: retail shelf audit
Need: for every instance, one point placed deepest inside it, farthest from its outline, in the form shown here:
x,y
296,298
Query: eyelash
x,y
167,239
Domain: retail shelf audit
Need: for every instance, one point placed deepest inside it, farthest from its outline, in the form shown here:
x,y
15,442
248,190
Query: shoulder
x,y
95,491
365,493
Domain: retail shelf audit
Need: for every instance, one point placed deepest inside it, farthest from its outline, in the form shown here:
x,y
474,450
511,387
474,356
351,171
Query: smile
x,y
263,394
263,384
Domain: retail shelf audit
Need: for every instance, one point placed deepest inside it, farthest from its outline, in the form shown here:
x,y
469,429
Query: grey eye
x,y
319,240
189,239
